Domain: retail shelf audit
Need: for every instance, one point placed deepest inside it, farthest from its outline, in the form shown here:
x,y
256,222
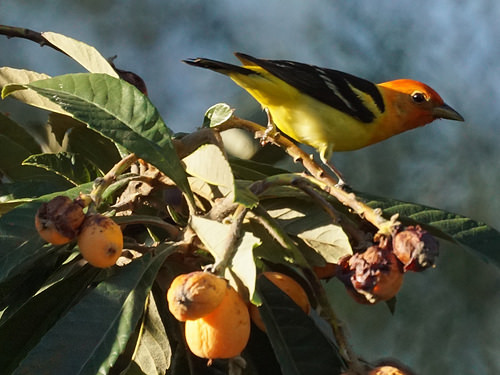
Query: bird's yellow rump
x,y
332,110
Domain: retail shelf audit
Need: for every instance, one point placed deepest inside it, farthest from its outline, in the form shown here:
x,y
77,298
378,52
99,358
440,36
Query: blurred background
x,y
451,45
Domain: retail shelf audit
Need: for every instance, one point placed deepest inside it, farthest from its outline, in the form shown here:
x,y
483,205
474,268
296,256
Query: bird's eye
x,y
418,97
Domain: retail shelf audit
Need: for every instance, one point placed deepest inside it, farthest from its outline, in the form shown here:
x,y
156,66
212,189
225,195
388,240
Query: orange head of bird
x,y
416,104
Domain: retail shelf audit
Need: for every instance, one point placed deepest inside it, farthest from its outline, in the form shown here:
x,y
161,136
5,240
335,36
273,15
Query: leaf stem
x,y
102,183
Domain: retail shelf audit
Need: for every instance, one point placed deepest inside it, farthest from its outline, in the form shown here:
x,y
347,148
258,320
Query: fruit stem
x,y
327,312
102,183
230,246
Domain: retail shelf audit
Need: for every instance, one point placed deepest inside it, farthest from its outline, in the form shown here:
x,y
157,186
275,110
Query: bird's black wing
x,y
329,86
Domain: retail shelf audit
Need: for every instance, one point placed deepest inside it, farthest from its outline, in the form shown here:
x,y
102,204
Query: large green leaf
x,y
16,291
91,336
31,186
78,138
23,330
461,230
18,134
32,181
73,167
119,111
101,151
10,203
299,345
11,156
153,352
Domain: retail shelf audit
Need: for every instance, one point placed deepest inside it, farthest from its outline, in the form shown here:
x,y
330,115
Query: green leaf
x,y
311,224
209,164
11,204
243,265
18,134
153,352
270,249
82,53
78,138
13,83
461,230
243,195
217,114
34,185
252,170
23,330
17,290
11,157
90,337
299,345
239,143
101,151
73,167
119,111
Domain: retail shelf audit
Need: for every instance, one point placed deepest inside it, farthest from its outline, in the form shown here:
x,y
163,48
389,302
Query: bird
x,y
330,110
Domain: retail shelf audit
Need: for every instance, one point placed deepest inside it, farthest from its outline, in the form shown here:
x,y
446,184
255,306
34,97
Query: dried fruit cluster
x,y
99,238
377,273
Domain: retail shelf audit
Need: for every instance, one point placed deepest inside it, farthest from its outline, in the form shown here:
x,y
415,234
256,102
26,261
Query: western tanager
x,y
331,110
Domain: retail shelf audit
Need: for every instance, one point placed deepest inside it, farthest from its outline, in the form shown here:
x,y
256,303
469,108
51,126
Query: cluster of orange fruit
x,y
217,319
99,238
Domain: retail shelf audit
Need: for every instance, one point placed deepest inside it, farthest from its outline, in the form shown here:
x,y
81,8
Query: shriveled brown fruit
x,y
224,332
58,221
100,241
415,248
288,285
196,294
371,276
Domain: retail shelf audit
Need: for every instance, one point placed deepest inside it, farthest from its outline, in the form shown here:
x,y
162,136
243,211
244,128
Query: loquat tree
x,y
84,278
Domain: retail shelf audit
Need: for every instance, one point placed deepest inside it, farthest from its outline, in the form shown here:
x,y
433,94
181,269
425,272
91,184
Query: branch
x,y
34,36
320,176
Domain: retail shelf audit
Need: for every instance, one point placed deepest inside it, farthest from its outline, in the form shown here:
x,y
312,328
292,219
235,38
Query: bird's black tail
x,y
218,66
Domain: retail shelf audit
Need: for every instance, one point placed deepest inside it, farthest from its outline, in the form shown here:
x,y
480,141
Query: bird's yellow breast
x,y
304,118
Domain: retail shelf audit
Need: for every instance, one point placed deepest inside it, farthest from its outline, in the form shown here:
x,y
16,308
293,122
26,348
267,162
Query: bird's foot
x,y
271,130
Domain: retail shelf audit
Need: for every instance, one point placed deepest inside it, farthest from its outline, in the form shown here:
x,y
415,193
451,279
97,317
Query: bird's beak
x,y
446,112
